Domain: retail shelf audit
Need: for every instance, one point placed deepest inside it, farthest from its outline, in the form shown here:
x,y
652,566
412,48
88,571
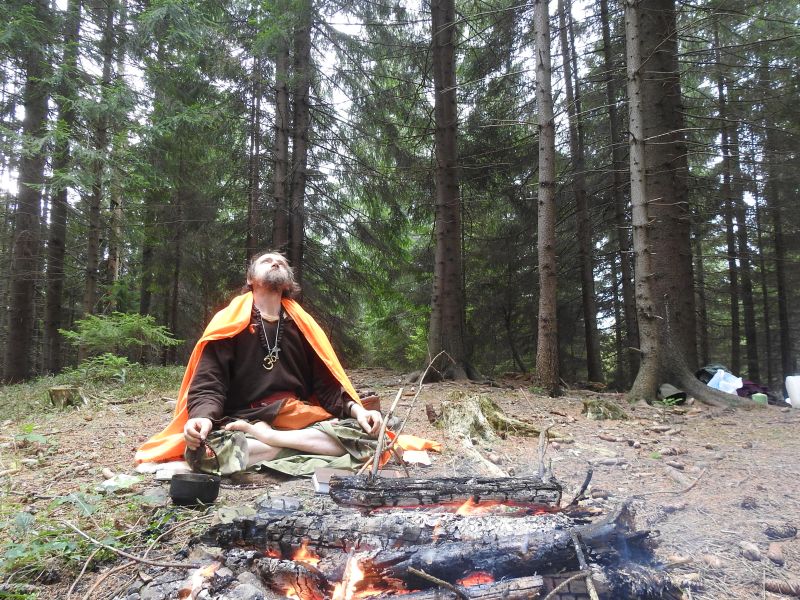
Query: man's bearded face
x,y
272,272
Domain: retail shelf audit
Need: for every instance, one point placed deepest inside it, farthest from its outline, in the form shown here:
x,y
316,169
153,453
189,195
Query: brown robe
x,y
231,382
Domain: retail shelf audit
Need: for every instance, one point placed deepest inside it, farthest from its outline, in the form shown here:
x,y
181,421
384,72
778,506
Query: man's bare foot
x,y
259,430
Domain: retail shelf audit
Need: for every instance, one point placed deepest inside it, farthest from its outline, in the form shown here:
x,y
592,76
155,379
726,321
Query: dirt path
x,y
747,462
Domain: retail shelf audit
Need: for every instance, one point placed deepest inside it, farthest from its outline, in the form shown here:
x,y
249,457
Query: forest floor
x,y
744,464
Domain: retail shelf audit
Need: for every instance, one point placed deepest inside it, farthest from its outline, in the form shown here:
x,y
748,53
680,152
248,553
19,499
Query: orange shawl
x,y
169,444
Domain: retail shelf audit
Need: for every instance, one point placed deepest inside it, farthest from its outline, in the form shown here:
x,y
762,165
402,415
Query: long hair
x,y
292,291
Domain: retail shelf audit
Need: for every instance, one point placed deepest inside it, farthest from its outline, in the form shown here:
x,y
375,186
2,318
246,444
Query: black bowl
x,y
193,488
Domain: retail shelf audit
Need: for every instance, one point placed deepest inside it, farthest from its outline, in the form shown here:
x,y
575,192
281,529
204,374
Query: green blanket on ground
x,y
230,454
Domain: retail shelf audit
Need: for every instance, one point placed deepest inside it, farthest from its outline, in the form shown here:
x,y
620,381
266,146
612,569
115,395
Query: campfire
x,y
477,538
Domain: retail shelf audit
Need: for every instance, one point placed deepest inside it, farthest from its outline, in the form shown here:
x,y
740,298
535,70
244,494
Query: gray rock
x,y
156,496
245,592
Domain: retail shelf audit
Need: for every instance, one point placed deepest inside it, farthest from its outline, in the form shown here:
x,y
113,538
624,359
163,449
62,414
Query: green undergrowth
x,y
103,378
38,546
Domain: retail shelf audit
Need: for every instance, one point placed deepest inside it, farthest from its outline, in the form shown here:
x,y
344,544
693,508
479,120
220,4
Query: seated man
x,y
264,368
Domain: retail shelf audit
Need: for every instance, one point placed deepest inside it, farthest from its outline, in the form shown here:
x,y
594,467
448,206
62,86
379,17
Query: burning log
x,y
510,557
292,578
340,531
516,555
364,492
510,589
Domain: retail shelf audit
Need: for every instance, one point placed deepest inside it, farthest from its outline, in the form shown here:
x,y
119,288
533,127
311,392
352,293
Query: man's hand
x,y
195,431
370,420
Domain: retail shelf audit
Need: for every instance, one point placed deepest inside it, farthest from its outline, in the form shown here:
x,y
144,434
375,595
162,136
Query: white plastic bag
x,y
725,382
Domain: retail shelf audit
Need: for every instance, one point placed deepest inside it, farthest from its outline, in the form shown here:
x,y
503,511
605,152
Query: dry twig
x,y
147,561
376,458
83,570
457,590
105,576
576,540
683,491
562,585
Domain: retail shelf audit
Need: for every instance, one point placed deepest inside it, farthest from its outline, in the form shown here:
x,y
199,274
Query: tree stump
x,y
62,396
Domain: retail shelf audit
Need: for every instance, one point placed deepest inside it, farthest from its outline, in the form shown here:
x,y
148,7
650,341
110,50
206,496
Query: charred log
x,y
534,551
342,531
511,589
290,577
365,492
450,561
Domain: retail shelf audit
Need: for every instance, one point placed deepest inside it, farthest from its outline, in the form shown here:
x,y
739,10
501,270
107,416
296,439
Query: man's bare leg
x,y
310,441
259,452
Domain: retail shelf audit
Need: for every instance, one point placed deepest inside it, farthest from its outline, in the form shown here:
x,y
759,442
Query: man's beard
x,y
276,280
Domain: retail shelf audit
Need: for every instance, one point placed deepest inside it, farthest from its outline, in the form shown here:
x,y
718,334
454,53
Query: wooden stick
x,y
576,540
105,576
83,570
133,557
457,590
543,449
562,585
173,528
583,487
683,491
419,389
376,461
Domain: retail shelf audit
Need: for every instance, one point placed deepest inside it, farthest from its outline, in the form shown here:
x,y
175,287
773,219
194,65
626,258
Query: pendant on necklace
x,y
270,360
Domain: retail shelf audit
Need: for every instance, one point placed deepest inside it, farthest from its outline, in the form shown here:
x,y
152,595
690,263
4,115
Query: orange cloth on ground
x,y
169,445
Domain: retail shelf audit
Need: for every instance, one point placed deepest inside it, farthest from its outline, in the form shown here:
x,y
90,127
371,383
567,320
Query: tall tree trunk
x,y
659,201
253,243
177,260
152,198
446,332
594,365
280,148
762,268
300,134
56,242
148,252
115,190
743,249
620,206
702,311
508,317
98,167
619,346
774,204
547,341
27,242
728,201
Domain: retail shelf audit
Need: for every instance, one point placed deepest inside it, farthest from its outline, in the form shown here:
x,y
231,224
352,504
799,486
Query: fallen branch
x,y
584,485
105,576
576,540
376,458
83,570
457,590
147,561
787,588
683,491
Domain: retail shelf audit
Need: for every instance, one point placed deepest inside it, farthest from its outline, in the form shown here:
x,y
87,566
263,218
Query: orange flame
x,y
476,578
353,575
470,507
290,592
194,584
305,555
